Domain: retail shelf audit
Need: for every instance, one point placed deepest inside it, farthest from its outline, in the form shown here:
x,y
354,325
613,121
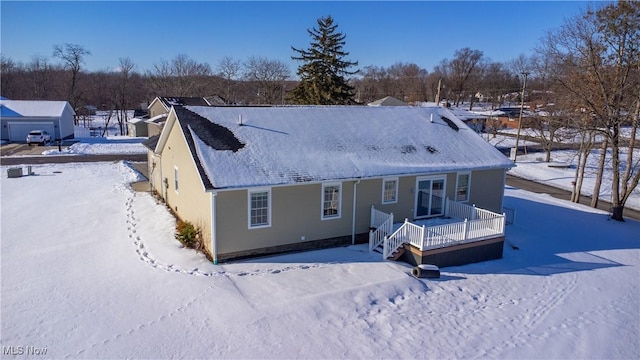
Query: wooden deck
x,y
457,254
465,234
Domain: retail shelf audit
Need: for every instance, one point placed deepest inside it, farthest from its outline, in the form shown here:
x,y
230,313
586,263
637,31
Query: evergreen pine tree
x,y
322,73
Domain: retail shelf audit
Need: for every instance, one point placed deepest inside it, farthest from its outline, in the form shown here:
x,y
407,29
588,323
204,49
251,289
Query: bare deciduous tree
x,y
72,57
125,70
269,76
595,61
39,69
459,71
229,69
181,76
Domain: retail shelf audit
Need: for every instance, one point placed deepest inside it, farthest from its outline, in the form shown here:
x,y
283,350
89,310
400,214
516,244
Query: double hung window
x,y
331,200
259,208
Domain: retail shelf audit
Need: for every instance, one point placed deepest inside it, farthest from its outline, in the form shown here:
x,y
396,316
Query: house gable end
x,y
215,136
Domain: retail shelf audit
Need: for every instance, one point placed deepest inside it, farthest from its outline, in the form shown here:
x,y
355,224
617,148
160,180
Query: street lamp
x,y
524,86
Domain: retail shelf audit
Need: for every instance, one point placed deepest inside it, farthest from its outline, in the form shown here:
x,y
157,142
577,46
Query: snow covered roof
x,y
157,119
466,115
169,101
136,120
237,147
33,108
388,101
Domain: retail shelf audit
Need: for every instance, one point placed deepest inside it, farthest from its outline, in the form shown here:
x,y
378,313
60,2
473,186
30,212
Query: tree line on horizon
x,y
256,80
584,74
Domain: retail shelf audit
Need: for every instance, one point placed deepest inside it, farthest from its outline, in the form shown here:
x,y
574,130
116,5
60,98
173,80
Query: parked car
x,y
38,136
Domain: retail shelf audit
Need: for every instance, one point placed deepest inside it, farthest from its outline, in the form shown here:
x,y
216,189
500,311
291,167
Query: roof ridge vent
x,y
450,123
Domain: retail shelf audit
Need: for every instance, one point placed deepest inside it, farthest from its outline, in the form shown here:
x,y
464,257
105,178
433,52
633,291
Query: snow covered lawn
x,y
90,269
532,167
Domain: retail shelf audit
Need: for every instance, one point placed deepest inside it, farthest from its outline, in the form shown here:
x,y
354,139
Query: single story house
x,y
160,107
262,180
19,117
388,101
162,104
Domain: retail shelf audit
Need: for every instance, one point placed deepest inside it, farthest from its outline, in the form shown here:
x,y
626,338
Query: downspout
x,y
353,217
214,240
504,184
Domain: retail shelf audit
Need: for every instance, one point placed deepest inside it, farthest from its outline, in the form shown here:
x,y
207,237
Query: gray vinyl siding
x,y
295,213
487,189
296,210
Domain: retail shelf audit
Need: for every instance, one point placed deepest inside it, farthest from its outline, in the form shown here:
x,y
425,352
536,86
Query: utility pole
x,y
524,86
438,94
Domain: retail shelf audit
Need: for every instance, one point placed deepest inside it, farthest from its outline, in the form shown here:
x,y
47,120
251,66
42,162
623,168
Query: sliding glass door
x,y
430,194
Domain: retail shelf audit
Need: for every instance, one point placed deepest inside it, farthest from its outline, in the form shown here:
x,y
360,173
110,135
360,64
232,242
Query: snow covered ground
x,y
90,269
103,145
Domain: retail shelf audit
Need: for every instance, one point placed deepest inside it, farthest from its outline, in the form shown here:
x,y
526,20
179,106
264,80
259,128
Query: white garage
x,y
18,131
19,117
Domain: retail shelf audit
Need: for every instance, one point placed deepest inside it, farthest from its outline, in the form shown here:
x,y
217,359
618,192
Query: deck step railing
x,y
478,224
407,233
381,225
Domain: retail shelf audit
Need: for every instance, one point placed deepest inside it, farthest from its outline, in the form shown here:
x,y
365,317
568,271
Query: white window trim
x,y
176,179
253,191
339,215
384,181
468,186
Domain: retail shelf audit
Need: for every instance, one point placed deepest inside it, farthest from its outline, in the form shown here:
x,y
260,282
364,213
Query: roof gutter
x,y
358,179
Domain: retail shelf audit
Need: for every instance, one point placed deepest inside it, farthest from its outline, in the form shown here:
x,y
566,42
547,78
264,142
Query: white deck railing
x,y
478,224
407,233
461,232
381,225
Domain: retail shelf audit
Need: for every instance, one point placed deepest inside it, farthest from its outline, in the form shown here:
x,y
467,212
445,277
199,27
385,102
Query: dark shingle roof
x,y
151,142
213,135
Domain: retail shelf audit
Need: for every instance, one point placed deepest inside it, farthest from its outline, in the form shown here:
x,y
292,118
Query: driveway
x,y
21,153
22,149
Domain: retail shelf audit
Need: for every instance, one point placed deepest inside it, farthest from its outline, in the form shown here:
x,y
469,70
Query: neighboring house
x,y
19,117
155,124
216,100
138,127
388,101
510,117
262,180
473,120
160,106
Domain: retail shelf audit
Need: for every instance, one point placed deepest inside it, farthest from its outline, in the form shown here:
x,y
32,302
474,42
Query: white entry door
x,y
430,194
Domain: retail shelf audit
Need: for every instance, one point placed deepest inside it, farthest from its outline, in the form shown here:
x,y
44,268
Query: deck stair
x,y
464,224
394,256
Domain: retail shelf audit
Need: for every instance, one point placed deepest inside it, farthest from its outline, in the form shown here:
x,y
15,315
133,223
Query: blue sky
x,y
378,33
